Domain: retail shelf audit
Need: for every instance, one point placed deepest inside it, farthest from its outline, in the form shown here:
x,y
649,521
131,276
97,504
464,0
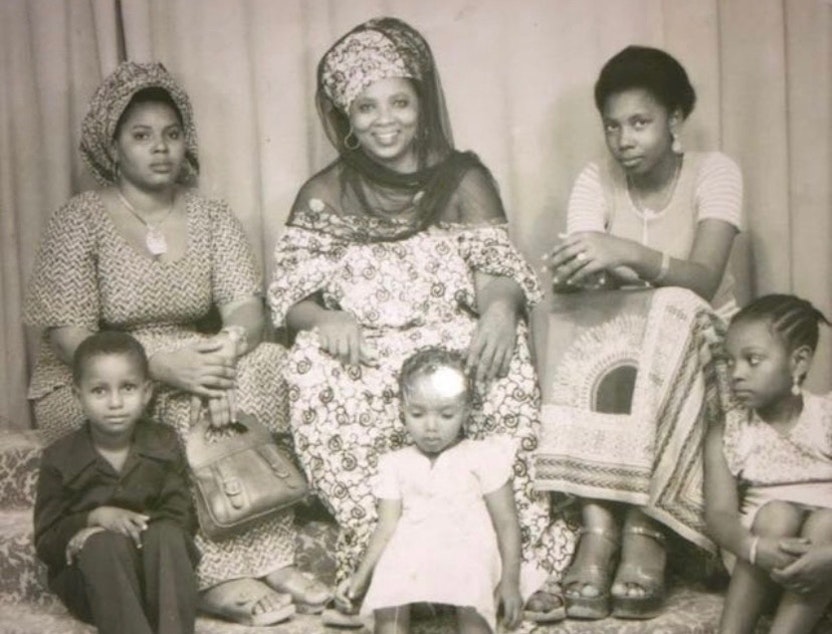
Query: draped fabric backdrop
x,y
518,78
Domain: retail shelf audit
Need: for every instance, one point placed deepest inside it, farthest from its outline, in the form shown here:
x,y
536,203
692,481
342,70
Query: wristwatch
x,y
238,335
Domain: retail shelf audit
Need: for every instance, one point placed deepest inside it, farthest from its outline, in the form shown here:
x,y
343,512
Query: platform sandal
x,y
578,605
649,577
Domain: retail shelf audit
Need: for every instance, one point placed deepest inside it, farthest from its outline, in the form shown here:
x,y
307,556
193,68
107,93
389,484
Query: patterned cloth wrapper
x,y
630,380
108,104
372,51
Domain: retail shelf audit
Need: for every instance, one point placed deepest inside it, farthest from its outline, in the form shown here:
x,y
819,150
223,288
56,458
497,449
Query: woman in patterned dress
x,y
399,244
148,255
651,215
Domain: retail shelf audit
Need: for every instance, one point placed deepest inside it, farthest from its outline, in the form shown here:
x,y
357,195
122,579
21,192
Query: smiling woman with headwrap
x,y
399,244
149,255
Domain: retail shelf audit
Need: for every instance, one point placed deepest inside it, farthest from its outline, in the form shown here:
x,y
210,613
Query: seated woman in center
x,y
650,216
399,244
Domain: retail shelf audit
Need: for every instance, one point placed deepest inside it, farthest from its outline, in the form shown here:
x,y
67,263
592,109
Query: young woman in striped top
x,y
654,215
651,212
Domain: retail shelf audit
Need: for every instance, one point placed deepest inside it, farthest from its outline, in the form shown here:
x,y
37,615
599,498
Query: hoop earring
x,y
347,145
796,385
676,146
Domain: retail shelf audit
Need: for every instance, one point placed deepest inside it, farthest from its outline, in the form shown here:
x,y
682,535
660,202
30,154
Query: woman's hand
x,y
204,368
508,594
811,567
581,255
340,335
222,410
493,342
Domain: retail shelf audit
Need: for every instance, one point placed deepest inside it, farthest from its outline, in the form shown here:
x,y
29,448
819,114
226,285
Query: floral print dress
x,y
405,294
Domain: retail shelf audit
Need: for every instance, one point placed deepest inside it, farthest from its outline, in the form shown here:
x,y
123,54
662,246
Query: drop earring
x,y
676,146
355,145
796,385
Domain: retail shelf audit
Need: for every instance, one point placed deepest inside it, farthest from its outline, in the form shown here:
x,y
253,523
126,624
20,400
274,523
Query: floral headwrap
x,y
368,54
108,104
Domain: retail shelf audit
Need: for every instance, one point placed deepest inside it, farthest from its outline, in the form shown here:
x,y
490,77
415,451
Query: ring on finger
x,y
581,257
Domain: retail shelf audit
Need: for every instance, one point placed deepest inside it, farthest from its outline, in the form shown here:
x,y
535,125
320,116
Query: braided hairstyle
x,y
795,320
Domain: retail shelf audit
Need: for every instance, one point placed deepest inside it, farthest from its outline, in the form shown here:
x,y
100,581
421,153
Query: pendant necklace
x,y
154,239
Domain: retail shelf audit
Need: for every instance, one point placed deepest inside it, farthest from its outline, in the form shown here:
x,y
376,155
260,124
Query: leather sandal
x,y
578,605
309,595
236,600
648,577
546,604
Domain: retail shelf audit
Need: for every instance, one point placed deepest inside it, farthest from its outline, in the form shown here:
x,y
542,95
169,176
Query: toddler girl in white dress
x,y
447,530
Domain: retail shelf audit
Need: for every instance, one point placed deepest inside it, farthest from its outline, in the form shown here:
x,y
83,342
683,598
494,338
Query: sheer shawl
x,y
357,198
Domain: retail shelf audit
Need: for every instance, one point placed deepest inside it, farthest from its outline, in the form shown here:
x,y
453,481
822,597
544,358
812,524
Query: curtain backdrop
x,y
518,78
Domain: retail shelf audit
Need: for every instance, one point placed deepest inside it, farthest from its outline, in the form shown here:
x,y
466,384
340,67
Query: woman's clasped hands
x,y
207,370
579,257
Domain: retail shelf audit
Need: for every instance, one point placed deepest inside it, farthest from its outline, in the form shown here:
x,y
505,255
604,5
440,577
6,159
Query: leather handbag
x,y
239,475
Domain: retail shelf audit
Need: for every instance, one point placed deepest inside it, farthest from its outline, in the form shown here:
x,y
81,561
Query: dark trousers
x,y
122,589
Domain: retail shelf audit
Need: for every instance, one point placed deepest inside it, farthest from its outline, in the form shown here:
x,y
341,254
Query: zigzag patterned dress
x,y
87,275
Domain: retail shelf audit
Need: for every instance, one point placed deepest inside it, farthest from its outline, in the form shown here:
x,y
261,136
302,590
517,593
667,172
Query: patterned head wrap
x,y
378,49
109,103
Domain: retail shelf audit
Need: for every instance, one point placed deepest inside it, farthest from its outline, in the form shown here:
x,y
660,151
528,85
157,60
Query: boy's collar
x,y
79,452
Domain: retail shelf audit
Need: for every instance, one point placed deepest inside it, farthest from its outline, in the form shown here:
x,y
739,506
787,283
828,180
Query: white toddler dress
x,y
444,549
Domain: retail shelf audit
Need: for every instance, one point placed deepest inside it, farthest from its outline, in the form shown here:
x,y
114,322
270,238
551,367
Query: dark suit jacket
x,y
75,480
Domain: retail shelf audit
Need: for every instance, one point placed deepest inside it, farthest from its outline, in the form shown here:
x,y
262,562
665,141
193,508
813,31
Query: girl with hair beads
x,y
447,530
768,469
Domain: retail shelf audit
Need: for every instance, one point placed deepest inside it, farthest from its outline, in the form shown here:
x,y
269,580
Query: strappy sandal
x,y
648,577
579,606
546,604
236,600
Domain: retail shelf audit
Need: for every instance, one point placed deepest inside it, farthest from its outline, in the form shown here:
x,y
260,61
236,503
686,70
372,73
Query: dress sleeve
x,y
386,482
234,271
488,249
587,208
304,261
494,462
477,198
63,288
718,191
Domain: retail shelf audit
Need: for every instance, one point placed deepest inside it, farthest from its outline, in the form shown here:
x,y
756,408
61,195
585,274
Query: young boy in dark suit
x,y
113,514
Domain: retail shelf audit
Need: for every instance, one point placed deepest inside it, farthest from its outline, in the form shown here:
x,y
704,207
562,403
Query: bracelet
x,y
238,335
752,551
664,267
